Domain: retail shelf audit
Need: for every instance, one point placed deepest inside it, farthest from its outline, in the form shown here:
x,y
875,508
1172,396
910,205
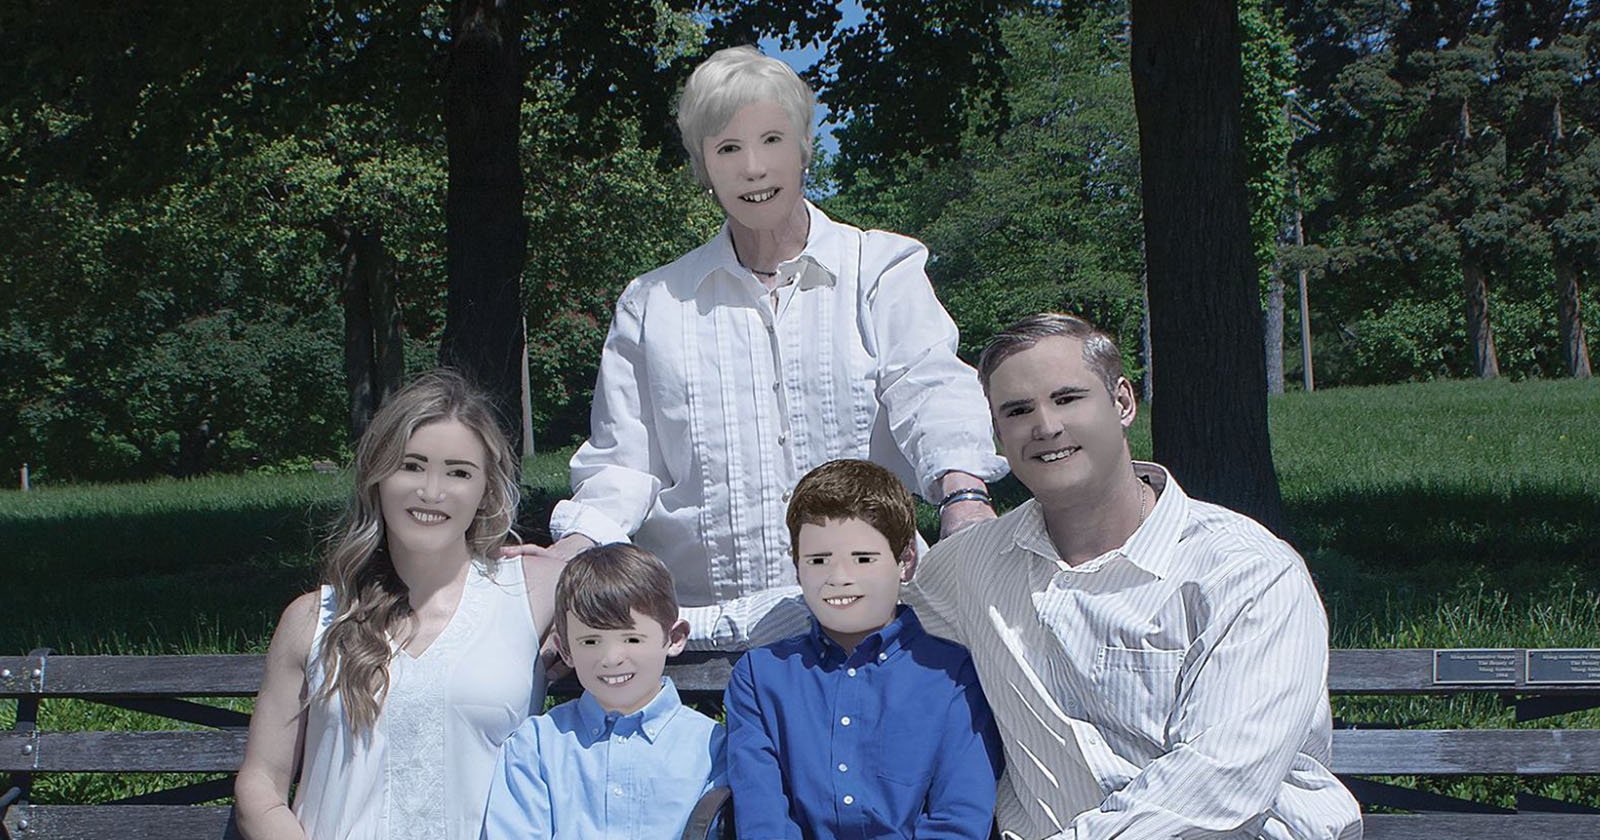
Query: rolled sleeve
x,y
936,410
616,472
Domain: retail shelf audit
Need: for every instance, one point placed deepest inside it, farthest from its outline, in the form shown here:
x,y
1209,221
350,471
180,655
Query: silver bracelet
x,y
965,494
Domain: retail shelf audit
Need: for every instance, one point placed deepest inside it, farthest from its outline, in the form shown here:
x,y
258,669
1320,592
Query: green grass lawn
x,y
1432,515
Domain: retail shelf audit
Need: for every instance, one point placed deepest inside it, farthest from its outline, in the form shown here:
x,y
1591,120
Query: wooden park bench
x,y
171,686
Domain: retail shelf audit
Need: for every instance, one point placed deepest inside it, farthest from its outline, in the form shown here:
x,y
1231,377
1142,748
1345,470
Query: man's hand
x,y
564,549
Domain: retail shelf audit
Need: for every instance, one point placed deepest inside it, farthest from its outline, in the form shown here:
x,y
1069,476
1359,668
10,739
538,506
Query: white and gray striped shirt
x,y
1175,687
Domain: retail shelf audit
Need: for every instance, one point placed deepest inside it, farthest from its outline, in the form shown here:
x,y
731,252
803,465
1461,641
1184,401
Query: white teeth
x,y
757,198
428,516
618,679
841,602
1049,457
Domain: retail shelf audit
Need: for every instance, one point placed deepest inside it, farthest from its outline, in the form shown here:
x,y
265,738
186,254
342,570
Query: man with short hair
x,y
1157,665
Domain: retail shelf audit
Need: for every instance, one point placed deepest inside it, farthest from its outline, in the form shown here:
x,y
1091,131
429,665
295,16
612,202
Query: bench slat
x,y
1466,752
1407,671
126,822
209,675
208,751
1478,826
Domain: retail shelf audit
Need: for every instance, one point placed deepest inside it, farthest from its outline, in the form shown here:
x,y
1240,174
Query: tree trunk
x,y
1569,317
1475,288
1210,425
388,332
355,285
485,232
1273,326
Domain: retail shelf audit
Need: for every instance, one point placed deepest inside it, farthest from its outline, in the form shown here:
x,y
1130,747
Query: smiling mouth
x,y
759,197
1057,455
427,517
616,679
841,600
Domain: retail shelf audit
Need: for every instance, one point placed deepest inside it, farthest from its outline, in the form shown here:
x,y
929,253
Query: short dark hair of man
x,y
603,585
1100,351
853,489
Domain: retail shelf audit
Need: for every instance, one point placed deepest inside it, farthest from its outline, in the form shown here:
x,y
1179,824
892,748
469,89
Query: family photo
x,y
761,419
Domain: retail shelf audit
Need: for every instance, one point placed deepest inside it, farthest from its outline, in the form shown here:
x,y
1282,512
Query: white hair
x,y
731,79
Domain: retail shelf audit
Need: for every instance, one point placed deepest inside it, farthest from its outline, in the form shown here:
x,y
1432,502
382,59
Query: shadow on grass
x,y
168,582
1430,539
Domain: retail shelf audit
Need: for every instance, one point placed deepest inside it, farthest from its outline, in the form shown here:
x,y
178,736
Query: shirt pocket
x,y
906,749
1138,688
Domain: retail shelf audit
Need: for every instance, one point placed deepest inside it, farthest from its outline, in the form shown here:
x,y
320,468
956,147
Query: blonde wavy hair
x,y
370,599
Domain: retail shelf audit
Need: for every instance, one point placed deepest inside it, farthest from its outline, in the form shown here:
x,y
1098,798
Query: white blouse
x,y
715,396
423,770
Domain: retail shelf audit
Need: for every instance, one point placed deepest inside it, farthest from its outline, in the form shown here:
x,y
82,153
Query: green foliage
x,y
1043,215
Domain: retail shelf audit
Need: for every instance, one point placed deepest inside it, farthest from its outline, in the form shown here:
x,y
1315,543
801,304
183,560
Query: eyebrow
x,y
449,462
1063,391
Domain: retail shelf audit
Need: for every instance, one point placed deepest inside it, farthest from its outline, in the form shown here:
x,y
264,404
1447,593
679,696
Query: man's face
x,y
621,668
849,577
1061,431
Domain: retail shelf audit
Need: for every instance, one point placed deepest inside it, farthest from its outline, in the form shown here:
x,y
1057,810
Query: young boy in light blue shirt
x,y
626,759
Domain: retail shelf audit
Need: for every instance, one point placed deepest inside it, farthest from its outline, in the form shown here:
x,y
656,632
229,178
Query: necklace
x,y
759,273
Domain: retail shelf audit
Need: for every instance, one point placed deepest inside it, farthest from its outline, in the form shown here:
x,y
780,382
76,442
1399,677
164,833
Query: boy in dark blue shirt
x,y
866,726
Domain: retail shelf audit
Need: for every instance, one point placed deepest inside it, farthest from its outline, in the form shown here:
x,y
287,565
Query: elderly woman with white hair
x,y
786,341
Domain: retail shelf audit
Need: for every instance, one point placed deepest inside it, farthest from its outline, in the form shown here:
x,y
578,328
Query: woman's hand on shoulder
x,y
277,728
563,550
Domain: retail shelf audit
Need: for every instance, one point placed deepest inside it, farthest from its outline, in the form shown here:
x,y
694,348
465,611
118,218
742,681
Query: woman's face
x,y
430,501
755,167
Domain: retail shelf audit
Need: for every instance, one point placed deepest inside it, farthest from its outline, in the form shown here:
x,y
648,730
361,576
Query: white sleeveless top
x,y
423,771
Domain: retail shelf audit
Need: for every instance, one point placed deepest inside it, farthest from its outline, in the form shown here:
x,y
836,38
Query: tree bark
x,y
1209,423
388,332
1480,335
486,233
1273,327
1569,317
355,287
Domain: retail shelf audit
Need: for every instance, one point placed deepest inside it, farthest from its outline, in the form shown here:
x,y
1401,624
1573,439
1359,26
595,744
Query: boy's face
x,y
849,576
622,668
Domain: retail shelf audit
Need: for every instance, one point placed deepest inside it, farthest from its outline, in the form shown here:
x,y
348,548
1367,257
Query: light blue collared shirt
x,y
578,772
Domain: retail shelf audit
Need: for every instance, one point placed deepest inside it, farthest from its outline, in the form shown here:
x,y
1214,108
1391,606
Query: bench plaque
x,y
1563,666
1476,666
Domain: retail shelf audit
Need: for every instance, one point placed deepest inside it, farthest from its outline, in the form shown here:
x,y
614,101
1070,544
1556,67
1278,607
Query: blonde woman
x,y
786,341
392,687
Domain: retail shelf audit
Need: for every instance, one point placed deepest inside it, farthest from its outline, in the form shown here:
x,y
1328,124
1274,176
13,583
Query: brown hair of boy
x,y
853,489
603,585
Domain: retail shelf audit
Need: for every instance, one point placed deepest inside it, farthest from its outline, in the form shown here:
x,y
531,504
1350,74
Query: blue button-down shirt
x,y
578,772
893,739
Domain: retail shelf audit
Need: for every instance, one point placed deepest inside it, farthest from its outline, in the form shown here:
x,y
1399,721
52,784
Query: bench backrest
x,y
171,685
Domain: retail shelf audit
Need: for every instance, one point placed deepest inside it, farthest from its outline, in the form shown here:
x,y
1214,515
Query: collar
x,y
821,260
879,646
1152,546
648,721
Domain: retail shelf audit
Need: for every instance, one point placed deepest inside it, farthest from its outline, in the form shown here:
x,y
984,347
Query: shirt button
x,y
849,800
771,329
620,739
783,438
617,790
786,495
850,672
844,721
843,767
775,387
882,656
